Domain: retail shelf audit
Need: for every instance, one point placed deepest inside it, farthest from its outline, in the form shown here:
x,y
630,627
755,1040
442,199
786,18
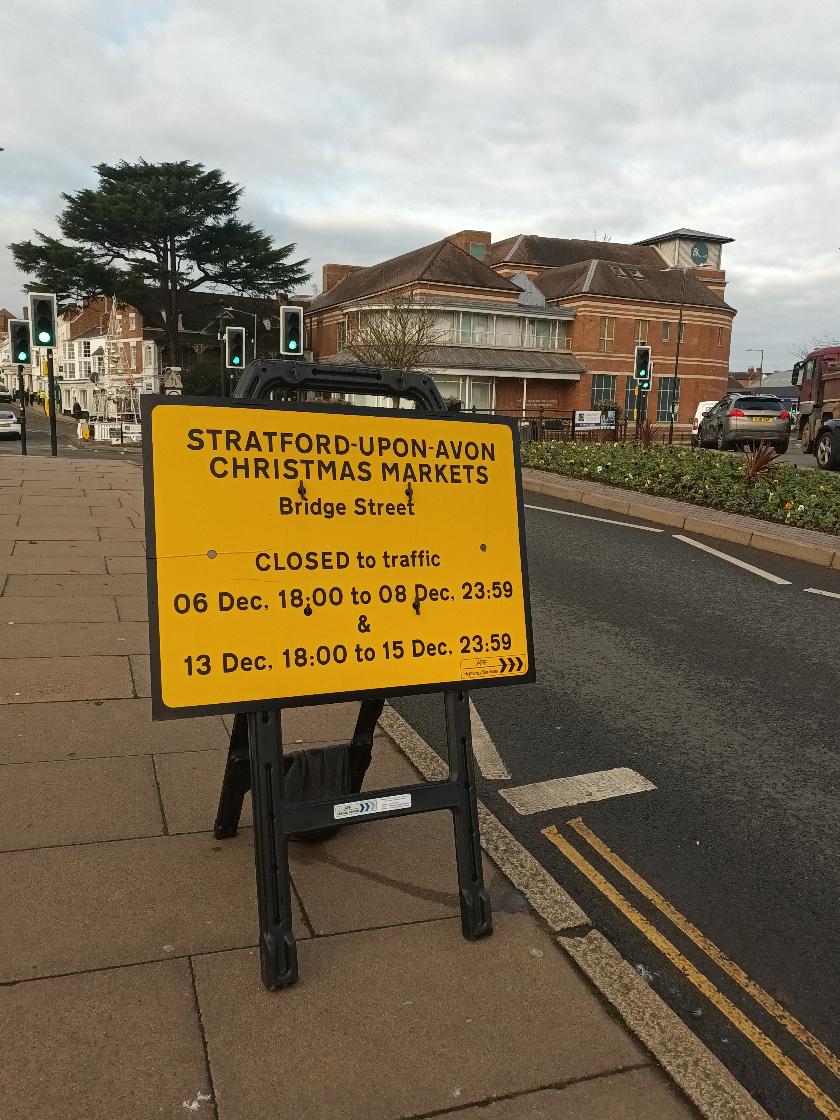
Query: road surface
x,y
709,694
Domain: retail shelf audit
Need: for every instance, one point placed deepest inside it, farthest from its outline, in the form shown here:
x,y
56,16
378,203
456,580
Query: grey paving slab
x,y
190,783
74,802
638,1094
53,565
417,1020
123,902
133,608
126,565
320,723
70,484
141,675
70,549
400,870
38,680
33,518
123,1043
70,585
55,499
99,728
121,533
47,531
52,609
74,639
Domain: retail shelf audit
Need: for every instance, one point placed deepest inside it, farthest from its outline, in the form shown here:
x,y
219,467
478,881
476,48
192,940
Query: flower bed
x,y
807,499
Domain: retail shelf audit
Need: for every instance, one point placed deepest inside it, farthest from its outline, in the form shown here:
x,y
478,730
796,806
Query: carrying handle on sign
x,y
260,379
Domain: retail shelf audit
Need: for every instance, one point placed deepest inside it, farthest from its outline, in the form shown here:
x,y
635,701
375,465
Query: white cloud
x,y
362,130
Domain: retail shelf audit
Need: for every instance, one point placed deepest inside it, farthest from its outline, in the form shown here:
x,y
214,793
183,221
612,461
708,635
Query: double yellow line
x,y
791,1071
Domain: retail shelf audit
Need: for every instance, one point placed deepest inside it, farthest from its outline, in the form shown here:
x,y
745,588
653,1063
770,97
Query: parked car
x,y
9,424
5,396
702,408
746,418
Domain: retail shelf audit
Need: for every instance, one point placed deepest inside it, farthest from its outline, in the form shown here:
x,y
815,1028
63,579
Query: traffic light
x,y
642,367
20,345
42,316
235,347
291,331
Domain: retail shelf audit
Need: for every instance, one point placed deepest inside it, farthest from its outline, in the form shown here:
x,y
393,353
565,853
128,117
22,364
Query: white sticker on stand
x,y
372,805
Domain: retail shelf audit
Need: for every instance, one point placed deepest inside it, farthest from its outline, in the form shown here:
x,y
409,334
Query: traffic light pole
x,y
51,398
22,412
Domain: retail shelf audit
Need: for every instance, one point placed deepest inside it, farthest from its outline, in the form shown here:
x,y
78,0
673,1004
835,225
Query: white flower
x,y
800,509
600,469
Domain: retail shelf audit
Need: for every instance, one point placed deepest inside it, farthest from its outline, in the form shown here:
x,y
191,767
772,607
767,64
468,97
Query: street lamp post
x,y
233,311
758,350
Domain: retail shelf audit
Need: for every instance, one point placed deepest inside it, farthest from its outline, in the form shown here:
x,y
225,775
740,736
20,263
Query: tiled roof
x,y
442,263
490,358
555,252
606,278
718,240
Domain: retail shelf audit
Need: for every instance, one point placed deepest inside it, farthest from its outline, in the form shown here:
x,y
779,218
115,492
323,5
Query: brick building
x,y
552,323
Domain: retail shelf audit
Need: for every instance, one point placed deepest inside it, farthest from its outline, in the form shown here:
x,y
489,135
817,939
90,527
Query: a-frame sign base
x,y
256,761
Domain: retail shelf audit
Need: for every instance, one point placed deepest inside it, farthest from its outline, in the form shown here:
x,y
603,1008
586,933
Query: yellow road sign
x,y
304,552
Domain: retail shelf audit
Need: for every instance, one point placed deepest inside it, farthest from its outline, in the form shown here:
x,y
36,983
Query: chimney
x,y
476,242
332,273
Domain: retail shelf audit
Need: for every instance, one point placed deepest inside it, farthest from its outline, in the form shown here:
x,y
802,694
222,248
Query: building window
x,y
340,335
668,398
682,332
132,356
132,321
666,332
560,334
473,329
148,362
69,350
606,340
641,332
86,349
478,250
70,368
83,398
603,388
85,369
119,324
720,336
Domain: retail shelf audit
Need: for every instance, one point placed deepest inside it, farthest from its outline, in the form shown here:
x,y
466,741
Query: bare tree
x,y
800,352
399,336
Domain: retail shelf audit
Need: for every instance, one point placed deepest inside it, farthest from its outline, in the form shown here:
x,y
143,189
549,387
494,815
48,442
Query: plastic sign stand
x,y
302,553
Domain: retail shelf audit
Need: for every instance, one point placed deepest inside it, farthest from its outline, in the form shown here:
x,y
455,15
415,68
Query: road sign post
x,y
22,399
326,553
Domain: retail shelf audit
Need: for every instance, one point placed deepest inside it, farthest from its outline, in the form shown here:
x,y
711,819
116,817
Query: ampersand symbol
x,y
364,625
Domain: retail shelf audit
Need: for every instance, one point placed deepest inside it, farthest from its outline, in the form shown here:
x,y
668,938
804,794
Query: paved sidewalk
x,y
801,544
129,978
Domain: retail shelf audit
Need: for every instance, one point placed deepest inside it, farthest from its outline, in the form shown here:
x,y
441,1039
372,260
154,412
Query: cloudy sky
x,y
363,128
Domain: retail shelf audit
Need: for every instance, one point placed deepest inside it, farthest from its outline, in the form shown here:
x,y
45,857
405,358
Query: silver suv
x,y
742,418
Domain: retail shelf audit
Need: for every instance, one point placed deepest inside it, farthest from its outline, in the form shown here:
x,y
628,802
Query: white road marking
x,y
589,517
484,749
734,560
817,591
558,793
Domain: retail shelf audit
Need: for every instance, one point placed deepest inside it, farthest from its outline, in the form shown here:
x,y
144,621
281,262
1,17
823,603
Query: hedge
x,y
807,499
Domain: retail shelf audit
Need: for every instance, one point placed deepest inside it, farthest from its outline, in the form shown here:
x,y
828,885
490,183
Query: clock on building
x,y
700,252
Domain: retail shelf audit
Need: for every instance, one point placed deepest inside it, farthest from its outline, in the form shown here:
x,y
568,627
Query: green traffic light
x,y
292,344
44,336
236,360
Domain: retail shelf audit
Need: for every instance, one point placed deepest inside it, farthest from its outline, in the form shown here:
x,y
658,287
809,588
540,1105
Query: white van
x,y
702,408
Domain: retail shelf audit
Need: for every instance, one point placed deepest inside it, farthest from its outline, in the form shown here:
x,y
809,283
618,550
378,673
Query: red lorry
x,y
818,423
